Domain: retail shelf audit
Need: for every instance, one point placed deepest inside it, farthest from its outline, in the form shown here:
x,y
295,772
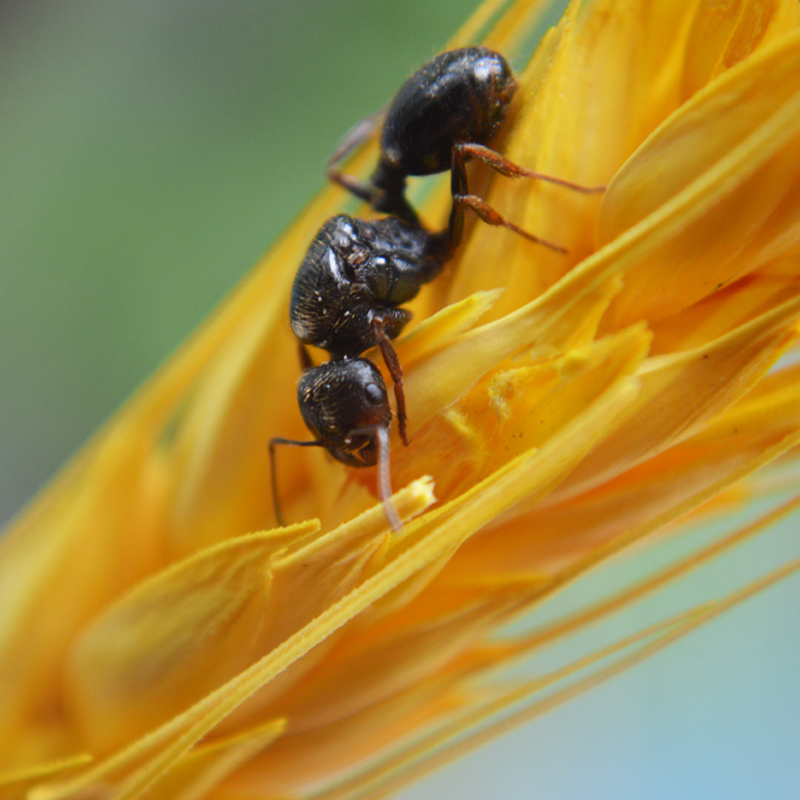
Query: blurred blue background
x,y
150,152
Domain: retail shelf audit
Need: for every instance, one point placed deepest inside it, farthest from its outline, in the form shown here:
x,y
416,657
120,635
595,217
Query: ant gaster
x,y
356,273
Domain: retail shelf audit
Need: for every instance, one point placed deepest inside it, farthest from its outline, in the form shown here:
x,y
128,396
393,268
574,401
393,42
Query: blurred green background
x,y
150,152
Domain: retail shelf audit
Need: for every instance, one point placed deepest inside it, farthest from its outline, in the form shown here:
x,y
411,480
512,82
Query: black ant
x,y
356,274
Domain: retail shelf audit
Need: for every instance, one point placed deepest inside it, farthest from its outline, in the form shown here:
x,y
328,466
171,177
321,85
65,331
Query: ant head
x,y
344,403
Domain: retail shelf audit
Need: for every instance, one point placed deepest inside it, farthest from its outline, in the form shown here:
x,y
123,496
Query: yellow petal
x,y
173,638
14,782
205,767
520,408
681,390
584,116
743,126
554,439
724,33
724,310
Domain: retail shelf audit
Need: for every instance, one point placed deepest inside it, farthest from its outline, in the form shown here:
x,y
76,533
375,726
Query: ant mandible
x,y
356,273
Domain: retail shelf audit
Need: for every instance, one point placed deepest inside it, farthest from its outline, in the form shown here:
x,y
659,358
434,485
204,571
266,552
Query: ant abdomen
x,y
460,96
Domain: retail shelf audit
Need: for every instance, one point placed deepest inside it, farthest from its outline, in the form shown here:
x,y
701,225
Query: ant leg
x,y
273,471
489,215
512,170
356,136
384,474
396,371
463,199
363,190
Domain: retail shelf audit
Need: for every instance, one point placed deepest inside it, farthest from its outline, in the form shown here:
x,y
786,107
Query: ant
x,y
357,273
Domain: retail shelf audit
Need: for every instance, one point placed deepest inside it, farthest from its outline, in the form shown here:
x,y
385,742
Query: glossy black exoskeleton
x,y
357,273
443,116
460,97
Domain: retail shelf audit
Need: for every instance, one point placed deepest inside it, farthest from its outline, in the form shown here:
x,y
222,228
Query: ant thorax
x,y
356,270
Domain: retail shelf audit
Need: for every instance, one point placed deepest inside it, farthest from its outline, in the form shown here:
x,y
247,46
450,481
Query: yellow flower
x,y
566,407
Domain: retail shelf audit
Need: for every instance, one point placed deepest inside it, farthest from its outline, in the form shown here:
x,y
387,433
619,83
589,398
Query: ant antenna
x,y
273,471
384,473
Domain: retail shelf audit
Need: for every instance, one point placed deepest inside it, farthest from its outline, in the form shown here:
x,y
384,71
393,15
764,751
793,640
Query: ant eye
x,y
374,394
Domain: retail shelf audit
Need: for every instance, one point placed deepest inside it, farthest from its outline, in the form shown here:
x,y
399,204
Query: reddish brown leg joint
x,y
396,371
512,170
488,214
463,199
